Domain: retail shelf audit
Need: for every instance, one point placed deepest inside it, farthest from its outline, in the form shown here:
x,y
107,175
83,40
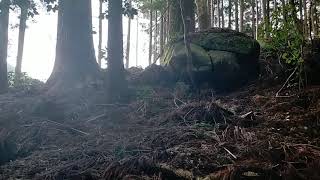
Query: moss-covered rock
x,y
221,57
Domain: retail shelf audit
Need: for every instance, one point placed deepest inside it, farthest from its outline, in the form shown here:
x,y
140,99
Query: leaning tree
x,y
75,60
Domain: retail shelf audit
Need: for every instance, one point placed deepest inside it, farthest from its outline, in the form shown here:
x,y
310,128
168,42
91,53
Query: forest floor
x,y
164,133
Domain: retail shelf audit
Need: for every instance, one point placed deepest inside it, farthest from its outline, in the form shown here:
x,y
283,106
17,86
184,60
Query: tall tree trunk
x,y
128,40
257,18
219,13
222,13
155,37
236,5
229,14
264,16
100,34
212,13
209,5
314,18
203,15
162,34
22,30
253,18
4,23
137,41
267,18
150,35
75,61
305,18
300,10
186,31
241,15
116,80
128,43
175,20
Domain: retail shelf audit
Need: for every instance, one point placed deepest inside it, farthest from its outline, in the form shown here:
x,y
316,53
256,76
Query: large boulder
x,y
222,58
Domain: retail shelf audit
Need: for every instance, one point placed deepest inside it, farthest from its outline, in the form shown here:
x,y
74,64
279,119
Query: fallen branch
x,y
283,86
68,127
235,157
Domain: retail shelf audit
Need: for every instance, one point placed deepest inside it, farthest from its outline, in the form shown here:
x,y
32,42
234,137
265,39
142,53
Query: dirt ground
x,y
163,133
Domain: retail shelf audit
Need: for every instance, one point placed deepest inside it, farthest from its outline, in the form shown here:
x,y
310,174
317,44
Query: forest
x,y
223,89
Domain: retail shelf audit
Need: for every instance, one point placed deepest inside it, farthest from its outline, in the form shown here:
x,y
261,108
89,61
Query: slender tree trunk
x,y
213,11
230,14
300,10
219,13
116,80
162,34
128,40
209,5
305,18
150,35
257,18
75,61
203,15
100,33
155,37
241,15
253,18
22,30
264,17
222,13
128,43
236,5
314,18
267,18
137,41
4,24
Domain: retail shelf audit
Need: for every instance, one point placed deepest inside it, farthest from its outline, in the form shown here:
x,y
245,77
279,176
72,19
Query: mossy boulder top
x,y
217,55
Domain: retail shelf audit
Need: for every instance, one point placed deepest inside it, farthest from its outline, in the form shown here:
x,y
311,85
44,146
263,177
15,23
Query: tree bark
x,y
116,86
150,35
203,15
75,61
236,5
4,24
100,34
22,30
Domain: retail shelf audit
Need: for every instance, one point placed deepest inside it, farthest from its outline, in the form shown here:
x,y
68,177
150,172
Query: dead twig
x,y
95,118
